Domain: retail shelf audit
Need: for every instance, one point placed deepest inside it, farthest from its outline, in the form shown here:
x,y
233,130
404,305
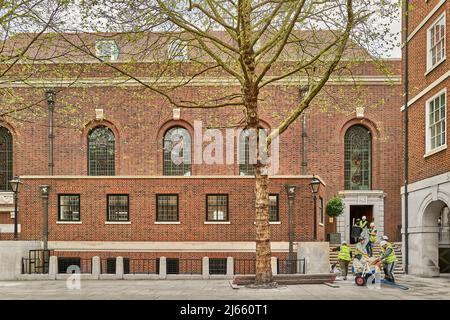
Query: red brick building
x,y
116,191
429,159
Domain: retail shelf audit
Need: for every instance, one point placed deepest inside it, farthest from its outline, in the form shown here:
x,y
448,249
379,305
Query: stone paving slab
x,y
434,288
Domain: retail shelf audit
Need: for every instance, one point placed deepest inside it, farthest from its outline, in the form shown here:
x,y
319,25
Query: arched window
x,y
101,153
247,150
358,158
177,152
6,159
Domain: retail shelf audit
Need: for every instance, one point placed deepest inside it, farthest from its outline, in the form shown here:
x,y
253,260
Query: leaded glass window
x,y
217,207
177,152
101,158
69,207
358,158
273,207
167,207
6,159
118,207
248,145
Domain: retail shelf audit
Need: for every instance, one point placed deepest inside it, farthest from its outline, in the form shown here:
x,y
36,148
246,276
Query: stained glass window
x,y
358,158
6,160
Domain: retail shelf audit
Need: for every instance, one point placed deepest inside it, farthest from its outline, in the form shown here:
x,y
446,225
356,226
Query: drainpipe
x,y
304,136
50,95
406,120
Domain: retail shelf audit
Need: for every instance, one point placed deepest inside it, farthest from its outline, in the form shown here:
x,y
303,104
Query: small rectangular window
x,y
111,265
217,207
436,42
217,265
69,207
173,266
273,208
167,207
118,207
65,263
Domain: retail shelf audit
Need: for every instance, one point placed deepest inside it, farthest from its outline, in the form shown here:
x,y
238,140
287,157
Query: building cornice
x,y
185,81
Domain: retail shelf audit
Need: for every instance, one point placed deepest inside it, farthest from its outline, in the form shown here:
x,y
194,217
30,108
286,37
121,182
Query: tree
x,y
247,40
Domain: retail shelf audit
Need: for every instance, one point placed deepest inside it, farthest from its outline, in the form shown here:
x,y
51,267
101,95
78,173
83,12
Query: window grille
x,y
118,207
217,265
177,152
69,207
167,207
101,153
248,150
217,207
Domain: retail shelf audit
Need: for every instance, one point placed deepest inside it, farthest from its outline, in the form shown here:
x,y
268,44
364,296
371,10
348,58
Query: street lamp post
x,y
15,186
315,185
290,189
44,193
50,95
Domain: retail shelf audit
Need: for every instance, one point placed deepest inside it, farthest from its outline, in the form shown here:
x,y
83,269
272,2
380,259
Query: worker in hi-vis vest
x,y
372,239
344,257
388,258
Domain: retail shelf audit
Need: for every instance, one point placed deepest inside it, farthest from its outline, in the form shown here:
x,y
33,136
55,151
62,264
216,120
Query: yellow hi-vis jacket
x,y
373,234
344,253
392,257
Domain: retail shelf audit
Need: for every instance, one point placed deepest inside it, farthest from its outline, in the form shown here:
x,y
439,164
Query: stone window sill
x,y
69,222
117,222
434,151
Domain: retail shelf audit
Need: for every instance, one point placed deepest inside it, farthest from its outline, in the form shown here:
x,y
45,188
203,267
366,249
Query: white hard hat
x,y
364,217
383,243
344,242
385,238
372,224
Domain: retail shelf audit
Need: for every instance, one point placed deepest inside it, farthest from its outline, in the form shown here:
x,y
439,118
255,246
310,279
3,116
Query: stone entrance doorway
x,y
357,204
357,212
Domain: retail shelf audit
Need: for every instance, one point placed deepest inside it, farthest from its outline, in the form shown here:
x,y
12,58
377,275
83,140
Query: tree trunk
x,y
263,250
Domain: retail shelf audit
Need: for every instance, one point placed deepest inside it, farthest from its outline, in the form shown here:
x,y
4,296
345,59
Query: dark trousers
x,y
343,265
369,247
389,271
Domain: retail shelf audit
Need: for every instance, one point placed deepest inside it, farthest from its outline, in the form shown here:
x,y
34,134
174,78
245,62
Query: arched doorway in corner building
x,y
435,238
444,240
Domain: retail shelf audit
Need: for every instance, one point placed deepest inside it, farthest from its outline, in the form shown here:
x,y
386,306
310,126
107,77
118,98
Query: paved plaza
x,y
420,288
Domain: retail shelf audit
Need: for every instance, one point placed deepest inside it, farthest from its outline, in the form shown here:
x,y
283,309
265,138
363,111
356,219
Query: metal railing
x,y
188,266
84,265
143,266
287,266
244,266
34,266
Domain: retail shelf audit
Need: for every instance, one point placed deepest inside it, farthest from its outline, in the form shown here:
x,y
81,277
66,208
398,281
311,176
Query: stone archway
x,y
430,238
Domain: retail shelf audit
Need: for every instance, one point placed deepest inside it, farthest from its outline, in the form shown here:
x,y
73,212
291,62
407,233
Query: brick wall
x,y
421,167
142,202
